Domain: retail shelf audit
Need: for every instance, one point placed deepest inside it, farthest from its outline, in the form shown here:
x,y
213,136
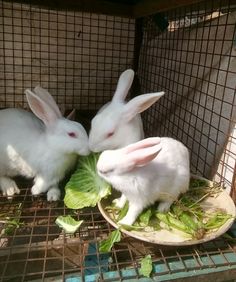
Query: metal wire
x,y
78,58
38,249
192,61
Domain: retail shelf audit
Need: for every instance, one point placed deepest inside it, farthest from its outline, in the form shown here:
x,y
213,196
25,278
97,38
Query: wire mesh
x,y
193,61
188,53
77,56
38,249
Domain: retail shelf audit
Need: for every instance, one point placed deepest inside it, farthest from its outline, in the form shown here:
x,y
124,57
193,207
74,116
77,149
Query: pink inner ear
x,y
144,156
71,115
40,108
145,143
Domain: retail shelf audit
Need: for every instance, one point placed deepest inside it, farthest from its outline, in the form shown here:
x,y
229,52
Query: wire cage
x,y
190,53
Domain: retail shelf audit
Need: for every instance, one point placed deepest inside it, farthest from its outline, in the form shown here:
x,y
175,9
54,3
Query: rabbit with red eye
x,y
117,123
154,169
43,145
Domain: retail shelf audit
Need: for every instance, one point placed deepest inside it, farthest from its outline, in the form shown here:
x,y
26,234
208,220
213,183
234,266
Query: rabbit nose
x,y
85,152
94,149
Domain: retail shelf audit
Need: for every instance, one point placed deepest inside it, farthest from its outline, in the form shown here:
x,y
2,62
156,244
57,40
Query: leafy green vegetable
x,y
68,223
145,217
10,219
11,225
123,211
131,227
146,266
185,215
154,223
106,245
217,220
197,183
85,187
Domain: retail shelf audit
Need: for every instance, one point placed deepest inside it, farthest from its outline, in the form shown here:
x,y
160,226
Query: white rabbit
x,y
117,123
43,147
154,169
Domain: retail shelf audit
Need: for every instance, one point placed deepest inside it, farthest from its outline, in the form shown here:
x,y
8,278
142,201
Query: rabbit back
x,y
168,174
19,129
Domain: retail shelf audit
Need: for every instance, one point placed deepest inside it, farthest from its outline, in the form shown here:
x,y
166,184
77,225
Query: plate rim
x,y
223,229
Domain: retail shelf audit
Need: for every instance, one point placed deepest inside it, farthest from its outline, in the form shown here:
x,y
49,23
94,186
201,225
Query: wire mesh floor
x,y
38,249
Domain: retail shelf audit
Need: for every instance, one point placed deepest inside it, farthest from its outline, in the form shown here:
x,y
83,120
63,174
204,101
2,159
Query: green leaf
x,y
123,211
145,216
197,183
68,223
106,245
11,219
131,227
154,223
85,187
146,266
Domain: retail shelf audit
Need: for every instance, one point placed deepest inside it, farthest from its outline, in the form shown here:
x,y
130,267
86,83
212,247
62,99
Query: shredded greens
x,y
186,216
10,219
85,187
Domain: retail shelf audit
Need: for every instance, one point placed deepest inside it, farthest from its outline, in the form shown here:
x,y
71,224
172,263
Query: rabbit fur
x,y
43,145
153,169
117,123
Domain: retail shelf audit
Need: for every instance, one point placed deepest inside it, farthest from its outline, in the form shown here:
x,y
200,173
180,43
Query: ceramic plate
x,y
166,237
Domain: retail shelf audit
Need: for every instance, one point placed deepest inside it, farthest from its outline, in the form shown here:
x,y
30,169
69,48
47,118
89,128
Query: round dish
x,y
165,237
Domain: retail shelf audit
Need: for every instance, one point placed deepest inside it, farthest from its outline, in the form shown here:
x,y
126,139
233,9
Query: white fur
x,y
120,118
38,147
154,169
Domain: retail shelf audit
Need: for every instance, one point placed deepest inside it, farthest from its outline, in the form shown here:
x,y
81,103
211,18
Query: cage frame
x,y
223,262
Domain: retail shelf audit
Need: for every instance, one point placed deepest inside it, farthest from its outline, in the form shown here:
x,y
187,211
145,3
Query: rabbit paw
x,y
8,187
164,206
133,212
53,194
40,185
120,202
36,190
126,221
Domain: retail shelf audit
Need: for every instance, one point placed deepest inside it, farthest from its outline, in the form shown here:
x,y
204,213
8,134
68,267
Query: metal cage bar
x,y
78,56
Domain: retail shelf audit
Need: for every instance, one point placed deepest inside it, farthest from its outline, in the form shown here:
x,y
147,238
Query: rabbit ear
x,y
48,99
145,143
41,109
144,155
71,115
139,104
123,86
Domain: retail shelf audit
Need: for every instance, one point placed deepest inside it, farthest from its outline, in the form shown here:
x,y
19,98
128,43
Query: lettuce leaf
x,y
68,223
146,266
85,187
106,245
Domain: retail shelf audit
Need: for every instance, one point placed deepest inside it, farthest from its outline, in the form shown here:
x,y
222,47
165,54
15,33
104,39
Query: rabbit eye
x,y
72,134
110,134
106,171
